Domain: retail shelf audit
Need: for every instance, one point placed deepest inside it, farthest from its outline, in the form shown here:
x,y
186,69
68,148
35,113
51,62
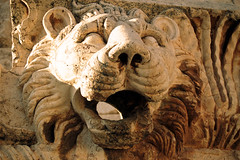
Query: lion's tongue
x,y
95,122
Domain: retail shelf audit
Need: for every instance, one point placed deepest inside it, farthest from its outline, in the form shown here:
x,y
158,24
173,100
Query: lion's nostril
x,y
137,58
123,58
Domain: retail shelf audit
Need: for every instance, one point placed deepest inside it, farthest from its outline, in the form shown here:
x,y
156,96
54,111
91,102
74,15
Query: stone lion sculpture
x,y
125,59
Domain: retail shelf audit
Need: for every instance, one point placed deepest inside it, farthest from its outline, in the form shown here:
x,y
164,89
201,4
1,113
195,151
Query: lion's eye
x,y
95,40
156,37
149,40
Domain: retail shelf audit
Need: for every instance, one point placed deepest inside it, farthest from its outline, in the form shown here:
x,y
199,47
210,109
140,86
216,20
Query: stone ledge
x,y
211,4
209,154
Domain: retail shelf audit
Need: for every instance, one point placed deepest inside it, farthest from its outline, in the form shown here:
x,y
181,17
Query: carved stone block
x,y
170,71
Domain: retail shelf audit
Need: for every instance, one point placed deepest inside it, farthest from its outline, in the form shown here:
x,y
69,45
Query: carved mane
x,y
179,109
47,106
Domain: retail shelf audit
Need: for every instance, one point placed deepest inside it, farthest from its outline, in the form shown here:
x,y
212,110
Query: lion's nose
x,y
127,46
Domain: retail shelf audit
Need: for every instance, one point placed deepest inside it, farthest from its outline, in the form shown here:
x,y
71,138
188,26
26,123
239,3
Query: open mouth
x,y
122,133
124,104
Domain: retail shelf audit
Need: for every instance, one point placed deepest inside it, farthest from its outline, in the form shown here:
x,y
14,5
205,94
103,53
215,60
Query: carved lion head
x,y
111,56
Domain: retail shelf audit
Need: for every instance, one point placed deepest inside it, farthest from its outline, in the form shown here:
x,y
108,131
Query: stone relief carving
x,y
174,76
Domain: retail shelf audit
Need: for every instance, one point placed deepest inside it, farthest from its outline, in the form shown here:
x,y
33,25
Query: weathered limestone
x,y
170,69
5,24
5,35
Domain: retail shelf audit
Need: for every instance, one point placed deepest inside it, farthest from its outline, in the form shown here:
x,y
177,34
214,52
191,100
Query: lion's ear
x,y
167,25
56,19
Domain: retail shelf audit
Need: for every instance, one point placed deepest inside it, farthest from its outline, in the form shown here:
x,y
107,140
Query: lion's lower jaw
x,y
121,134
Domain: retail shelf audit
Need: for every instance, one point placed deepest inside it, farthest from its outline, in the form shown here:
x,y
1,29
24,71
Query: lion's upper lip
x,y
135,125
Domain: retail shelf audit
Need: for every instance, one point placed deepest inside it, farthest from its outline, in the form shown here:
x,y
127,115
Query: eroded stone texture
x,y
5,24
5,35
5,58
172,72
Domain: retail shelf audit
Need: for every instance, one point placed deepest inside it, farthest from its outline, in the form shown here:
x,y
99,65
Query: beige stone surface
x,y
207,4
5,24
169,68
6,58
14,125
209,154
5,35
